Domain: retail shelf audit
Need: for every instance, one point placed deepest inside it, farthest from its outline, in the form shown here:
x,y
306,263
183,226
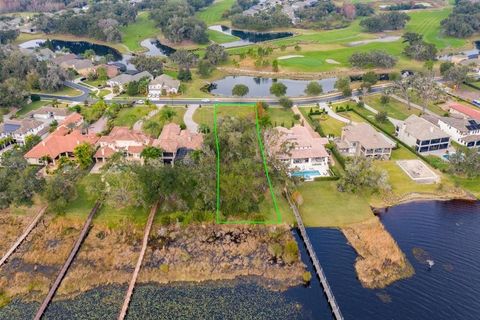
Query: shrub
x,y
290,252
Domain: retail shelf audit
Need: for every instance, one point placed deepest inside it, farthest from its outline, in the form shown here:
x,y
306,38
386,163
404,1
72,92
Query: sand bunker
x,y
384,39
290,57
331,61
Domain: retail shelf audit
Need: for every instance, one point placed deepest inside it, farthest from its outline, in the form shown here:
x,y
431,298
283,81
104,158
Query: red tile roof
x,y
470,112
173,138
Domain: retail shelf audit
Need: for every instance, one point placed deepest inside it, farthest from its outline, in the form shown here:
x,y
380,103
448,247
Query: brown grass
x,y
380,261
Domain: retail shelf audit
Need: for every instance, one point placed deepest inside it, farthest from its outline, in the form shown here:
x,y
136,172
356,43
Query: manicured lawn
x,y
96,83
219,37
213,13
65,91
329,125
281,117
394,108
268,211
102,93
84,202
204,115
158,118
324,206
142,29
32,106
427,22
128,116
471,185
402,153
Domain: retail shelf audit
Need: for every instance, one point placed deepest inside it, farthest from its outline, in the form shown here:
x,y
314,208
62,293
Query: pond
x,y
248,37
260,87
155,48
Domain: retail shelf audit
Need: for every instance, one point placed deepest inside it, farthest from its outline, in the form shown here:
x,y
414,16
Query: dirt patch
x,y
331,61
290,57
380,261
383,39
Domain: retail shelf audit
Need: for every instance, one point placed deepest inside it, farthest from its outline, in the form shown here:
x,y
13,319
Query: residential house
x,y
422,135
162,86
49,113
303,151
361,139
83,66
112,70
121,139
61,142
122,80
465,131
19,130
61,58
464,111
177,143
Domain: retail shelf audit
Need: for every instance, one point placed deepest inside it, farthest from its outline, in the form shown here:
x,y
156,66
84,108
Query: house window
x,y
445,139
423,149
470,144
444,146
425,142
435,141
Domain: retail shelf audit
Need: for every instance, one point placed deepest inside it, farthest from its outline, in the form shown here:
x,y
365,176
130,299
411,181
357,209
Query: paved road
x,y
183,101
81,98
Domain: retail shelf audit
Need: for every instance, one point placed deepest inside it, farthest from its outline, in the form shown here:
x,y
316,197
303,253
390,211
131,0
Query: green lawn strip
x,y
213,14
281,117
394,108
96,83
128,116
32,106
220,37
65,91
324,206
204,115
83,203
470,184
102,93
427,22
329,125
141,29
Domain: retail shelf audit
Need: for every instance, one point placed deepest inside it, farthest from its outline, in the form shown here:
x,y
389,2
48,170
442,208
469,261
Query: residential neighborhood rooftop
x,y
422,129
305,143
367,136
173,138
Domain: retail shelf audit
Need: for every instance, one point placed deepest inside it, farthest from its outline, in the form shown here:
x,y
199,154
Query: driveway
x,y
188,118
81,98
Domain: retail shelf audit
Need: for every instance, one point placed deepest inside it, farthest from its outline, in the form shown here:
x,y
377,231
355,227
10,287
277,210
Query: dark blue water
x,y
449,234
248,37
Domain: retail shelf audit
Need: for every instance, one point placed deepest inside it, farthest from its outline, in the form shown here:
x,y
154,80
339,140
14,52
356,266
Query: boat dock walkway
x,y
131,286
63,271
23,236
316,263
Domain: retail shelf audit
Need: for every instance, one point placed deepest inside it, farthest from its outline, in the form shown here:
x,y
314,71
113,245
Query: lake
x,y
448,233
248,37
260,87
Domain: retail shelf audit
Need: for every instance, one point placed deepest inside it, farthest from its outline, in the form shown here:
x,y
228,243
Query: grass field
x,y
32,106
219,37
134,33
204,115
65,91
128,116
281,117
427,22
324,206
394,108
213,13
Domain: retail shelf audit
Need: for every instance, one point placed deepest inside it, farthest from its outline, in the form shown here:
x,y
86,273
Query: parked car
x,y
140,102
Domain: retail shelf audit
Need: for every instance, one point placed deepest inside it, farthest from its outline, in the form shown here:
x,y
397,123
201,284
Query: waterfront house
x,y
19,130
82,66
465,131
163,85
121,81
128,142
422,135
302,150
177,143
61,142
361,139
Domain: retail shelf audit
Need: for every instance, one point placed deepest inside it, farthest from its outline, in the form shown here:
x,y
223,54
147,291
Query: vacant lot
x,y
393,108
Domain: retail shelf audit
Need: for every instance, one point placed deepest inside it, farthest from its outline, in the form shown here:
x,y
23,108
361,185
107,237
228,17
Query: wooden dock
x,y
23,236
316,263
63,271
131,286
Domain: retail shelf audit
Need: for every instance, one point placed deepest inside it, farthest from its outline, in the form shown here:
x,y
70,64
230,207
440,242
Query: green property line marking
x,y
262,152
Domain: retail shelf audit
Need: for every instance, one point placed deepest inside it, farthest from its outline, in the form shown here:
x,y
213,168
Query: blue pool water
x,y
306,174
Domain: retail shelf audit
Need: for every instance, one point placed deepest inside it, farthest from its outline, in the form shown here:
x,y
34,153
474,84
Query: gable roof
x,y
305,143
125,134
19,126
125,78
166,80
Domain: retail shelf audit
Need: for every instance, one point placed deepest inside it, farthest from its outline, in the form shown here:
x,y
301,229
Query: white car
x,y
205,100
140,101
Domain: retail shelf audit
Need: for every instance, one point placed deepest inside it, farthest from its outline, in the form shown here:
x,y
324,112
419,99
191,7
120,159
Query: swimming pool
x,y
307,175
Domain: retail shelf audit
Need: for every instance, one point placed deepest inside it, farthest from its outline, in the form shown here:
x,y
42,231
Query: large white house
x,y
162,85
19,130
422,135
465,131
303,151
